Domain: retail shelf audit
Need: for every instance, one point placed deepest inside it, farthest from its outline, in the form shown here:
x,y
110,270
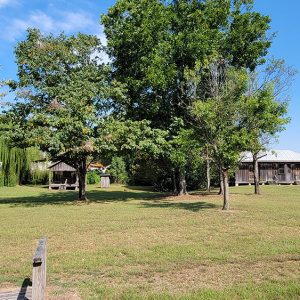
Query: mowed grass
x,y
131,243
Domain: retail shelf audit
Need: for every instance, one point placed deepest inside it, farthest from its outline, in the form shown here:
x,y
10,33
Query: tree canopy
x,y
62,90
64,102
155,45
265,109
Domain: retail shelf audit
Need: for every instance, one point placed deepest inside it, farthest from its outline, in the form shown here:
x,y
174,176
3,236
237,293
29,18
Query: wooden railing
x,y
37,290
39,271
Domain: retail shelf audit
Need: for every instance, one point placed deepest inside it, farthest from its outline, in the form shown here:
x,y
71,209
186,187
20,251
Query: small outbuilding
x,y
63,176
278,166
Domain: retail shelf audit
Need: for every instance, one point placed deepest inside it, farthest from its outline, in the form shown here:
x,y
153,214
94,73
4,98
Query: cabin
x,y
275,167
63,176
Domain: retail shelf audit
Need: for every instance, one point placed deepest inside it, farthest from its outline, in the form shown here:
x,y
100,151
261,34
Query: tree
x,y
118,170
217,119
62,91
265,109
15,163
183,150
152,44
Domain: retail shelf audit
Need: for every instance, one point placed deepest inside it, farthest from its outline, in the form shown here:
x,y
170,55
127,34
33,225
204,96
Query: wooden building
x,y
63,176
275,167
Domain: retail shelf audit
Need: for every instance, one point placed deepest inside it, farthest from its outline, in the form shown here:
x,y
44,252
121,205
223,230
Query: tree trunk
x,y
221,191
182,183
82,180
175,190
226,189
208,175
256,175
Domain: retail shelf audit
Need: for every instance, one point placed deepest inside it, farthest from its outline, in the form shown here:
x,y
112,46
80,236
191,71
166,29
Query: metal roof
x,y
274,156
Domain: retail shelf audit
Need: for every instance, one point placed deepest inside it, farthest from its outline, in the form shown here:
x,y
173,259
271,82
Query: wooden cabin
x,y
275,167
63,176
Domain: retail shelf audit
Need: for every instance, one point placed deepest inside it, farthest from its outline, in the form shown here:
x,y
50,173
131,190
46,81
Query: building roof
x,y
95,165
61,166
274,156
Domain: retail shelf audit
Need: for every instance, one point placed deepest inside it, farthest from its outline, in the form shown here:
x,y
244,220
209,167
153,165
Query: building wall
x,y
281,172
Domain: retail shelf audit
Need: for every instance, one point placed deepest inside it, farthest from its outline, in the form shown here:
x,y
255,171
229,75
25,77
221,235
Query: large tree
x,y
153,43
62,93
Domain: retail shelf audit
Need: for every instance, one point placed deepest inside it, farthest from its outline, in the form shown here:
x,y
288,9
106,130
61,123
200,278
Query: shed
x,y
63,176
277,166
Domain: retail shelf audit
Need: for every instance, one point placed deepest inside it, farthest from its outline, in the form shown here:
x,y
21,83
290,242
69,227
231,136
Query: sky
x,y
84,16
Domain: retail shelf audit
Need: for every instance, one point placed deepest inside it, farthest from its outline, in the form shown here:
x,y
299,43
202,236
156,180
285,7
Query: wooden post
x,y
287,175
50,179
39,271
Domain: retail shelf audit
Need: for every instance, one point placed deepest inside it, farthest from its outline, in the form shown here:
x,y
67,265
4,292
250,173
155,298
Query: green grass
x,y
131,243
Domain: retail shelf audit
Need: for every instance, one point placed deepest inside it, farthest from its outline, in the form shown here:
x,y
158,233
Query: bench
x,y
38,285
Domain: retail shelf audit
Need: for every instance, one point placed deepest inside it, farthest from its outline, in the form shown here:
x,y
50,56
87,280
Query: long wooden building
x,y
278,166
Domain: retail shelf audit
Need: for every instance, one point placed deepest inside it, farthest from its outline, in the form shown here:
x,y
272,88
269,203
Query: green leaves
x,y
127,136
217,120
63,91
264,115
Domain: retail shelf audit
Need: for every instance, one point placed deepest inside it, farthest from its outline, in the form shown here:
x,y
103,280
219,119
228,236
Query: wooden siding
x,y
268,172
61,167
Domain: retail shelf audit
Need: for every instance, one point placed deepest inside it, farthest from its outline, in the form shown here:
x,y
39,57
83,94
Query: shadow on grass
x,y
98,195
191,206
70,197
141,188
205,193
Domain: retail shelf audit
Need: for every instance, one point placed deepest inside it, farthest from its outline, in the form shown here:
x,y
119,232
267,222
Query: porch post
x,y
286,173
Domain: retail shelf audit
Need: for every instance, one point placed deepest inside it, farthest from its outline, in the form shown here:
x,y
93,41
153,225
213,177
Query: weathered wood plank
x,y
39,255
38,289
39,271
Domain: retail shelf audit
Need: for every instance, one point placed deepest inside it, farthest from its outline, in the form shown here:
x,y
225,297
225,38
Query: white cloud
x,y
74,21
67,21
4,2
7,2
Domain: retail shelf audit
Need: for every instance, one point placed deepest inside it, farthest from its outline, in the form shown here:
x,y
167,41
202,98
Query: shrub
x,y
93,177
118,170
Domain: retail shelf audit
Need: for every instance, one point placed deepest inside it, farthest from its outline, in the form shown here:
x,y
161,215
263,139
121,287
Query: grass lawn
x,y
130,243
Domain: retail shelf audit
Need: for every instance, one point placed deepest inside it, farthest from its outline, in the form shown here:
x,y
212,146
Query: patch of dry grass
x,y
129,243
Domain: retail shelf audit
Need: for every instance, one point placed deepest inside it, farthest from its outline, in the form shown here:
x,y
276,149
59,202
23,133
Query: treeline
x,y
187,88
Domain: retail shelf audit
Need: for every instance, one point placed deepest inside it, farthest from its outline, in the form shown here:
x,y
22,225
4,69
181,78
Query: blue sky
x,y
83,15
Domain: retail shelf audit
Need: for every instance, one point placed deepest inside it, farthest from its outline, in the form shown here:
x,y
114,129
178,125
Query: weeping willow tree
x,y
15,164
